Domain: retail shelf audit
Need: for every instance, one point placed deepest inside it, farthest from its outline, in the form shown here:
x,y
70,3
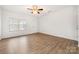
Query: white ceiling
x,y
23,8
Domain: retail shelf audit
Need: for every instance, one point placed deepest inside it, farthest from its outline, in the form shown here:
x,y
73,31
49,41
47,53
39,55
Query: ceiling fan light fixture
x,y
34,12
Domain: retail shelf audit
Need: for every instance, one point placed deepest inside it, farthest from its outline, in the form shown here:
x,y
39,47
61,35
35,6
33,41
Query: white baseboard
x,y
59,36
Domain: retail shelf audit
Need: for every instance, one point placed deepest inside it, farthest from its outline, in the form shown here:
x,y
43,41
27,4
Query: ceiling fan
x,y
35,9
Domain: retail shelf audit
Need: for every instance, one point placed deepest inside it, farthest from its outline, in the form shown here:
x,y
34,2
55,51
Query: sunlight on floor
x,y
19,44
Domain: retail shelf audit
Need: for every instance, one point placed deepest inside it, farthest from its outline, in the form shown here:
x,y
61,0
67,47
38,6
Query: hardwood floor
x,y
38,43
78,50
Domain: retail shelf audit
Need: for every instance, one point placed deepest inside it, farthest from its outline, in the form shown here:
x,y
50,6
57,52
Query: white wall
x,y
30,21
0,23
78,24
59,23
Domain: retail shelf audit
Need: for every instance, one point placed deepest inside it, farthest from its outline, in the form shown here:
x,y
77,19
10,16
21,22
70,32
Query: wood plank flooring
x,y
38,43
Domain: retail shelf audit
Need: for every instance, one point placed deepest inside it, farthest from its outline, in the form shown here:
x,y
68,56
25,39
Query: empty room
x,y
39,29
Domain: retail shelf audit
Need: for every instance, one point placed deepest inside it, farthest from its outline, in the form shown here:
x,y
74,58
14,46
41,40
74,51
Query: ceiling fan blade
x,y
40,9
38,12
29,8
